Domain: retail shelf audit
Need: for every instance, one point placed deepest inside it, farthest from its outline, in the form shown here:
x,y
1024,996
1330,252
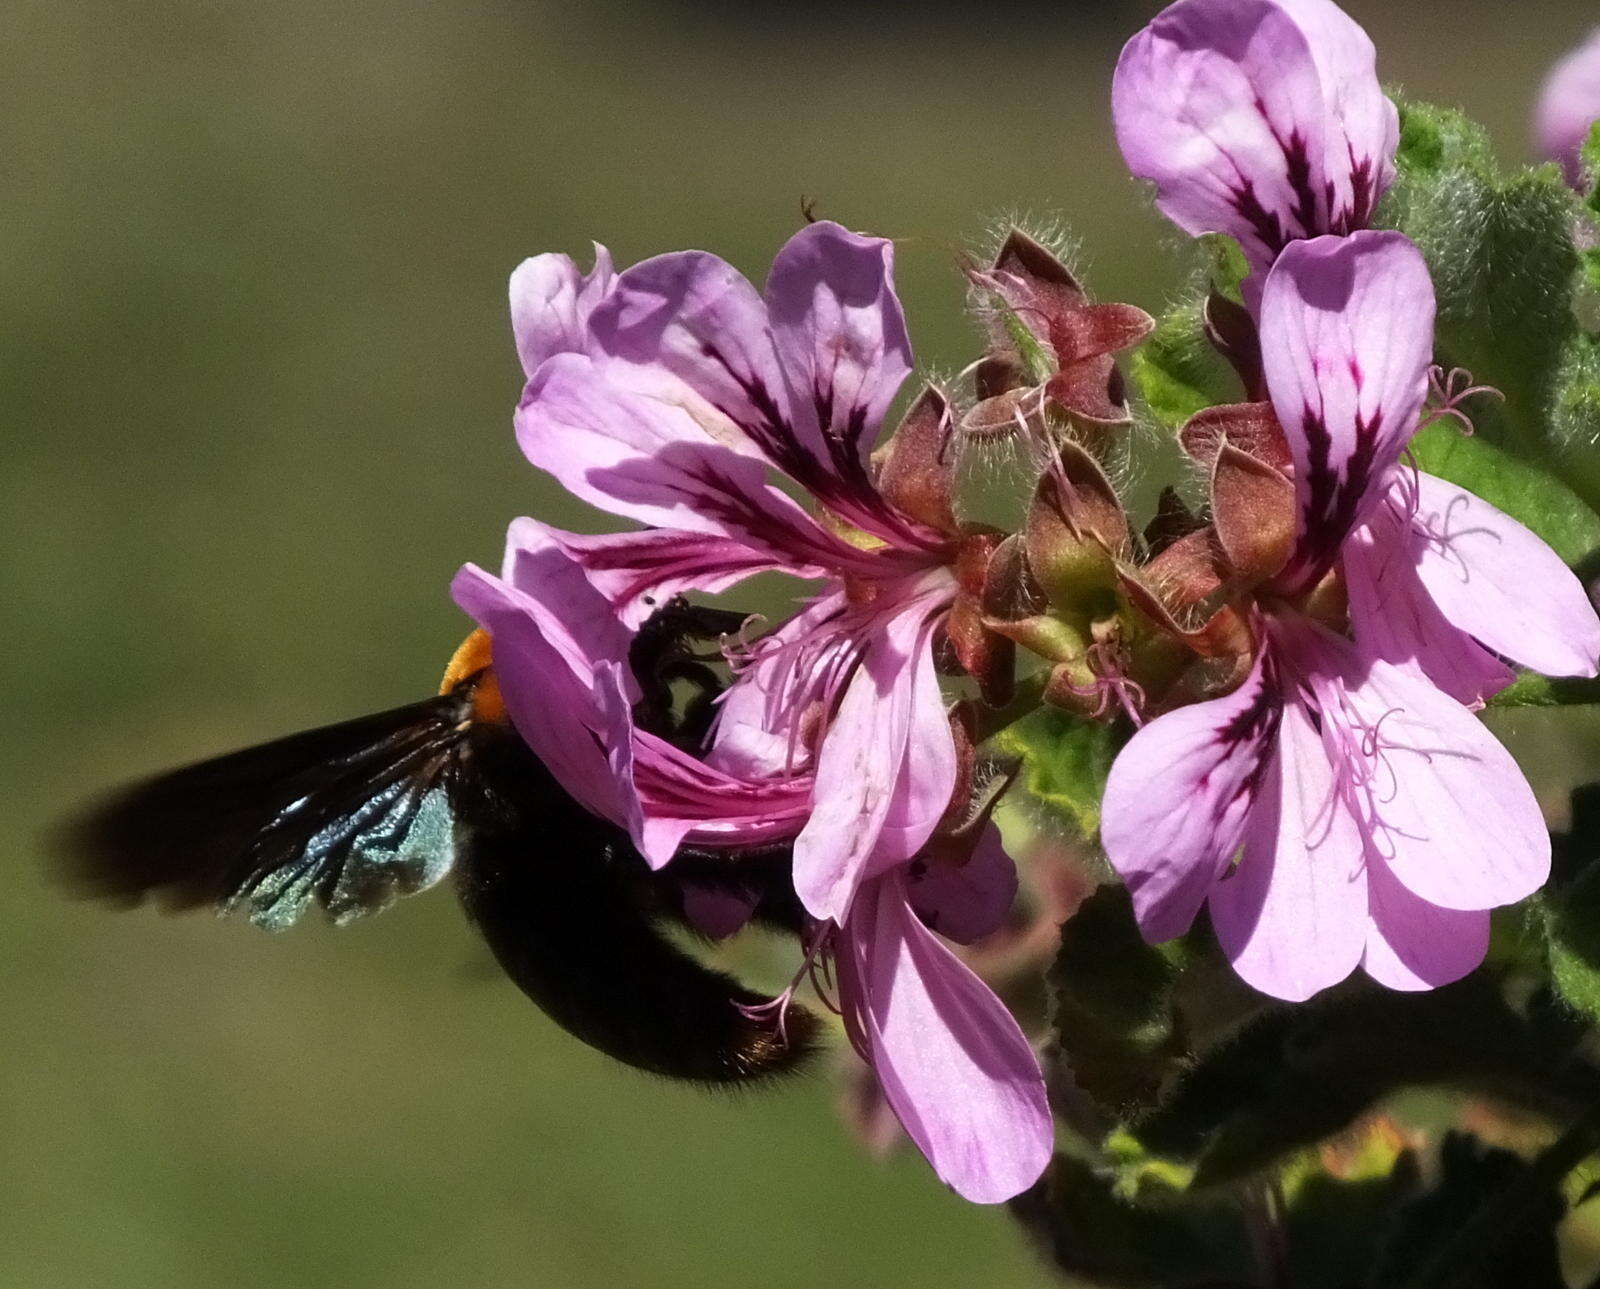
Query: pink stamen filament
x,y
1111,684
1446,393
775,1011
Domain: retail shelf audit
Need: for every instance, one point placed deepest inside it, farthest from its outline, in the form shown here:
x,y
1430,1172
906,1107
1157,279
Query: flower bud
x,y
1050,339
1250,427
989,657
916,466
1252,506
1076,532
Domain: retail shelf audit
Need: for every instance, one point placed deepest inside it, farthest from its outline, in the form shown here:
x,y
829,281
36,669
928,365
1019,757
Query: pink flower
x,y
669,394
561,657
1569,104
1262,119
1374,819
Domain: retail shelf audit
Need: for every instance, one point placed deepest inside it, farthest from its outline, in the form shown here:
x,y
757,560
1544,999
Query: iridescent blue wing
x,y
349,817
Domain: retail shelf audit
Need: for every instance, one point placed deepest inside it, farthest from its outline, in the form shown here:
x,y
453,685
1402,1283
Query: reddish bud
x,y
1252,505
1250,427
1014,605
1180,592
917,464
1232,330
984,654
1076,528
1068,344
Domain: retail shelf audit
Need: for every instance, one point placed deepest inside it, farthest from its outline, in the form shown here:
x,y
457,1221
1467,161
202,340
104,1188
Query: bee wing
x,y
352,816
349,816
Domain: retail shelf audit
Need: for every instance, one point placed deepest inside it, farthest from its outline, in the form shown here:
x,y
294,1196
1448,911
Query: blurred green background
x,y
256,382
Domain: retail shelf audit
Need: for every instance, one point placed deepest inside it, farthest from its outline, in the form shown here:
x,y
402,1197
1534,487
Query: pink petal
x,y
1346,342
954,1066
1569,104
1454,817
1366,129
639,443
1394,618
1178,797
569,611
928,775
1292,917
1261,120
561,656
637,571
552,706
1494,579
886,769
841,339
965,902
551,302
614,708
1414,945
802,376
687,800
758,729
697,317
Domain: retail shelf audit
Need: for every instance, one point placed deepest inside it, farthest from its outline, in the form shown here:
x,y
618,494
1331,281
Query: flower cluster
x,y
1299,663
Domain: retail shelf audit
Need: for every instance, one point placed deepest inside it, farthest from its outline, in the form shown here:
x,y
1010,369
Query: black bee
x,y
351,816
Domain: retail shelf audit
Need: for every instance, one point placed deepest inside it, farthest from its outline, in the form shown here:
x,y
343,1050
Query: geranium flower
x,y
561,657
1569,104
669,394
1262,119
1341,807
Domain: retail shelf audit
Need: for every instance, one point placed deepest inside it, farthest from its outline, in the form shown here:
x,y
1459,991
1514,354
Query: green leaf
x,y
1574,945
1575,405
1529,494
1590,260
1176,370
1111,1004
1591,162
1434,140
1065,761
1567,912
1094,1232
1533,690
1503,264
1296,1075
1435,1241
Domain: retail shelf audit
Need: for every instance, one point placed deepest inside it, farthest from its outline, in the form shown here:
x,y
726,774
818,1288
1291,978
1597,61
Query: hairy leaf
x,y
1296,1075
1503,264
1567,912
1065,762
1111,1004
1591,163
1177,372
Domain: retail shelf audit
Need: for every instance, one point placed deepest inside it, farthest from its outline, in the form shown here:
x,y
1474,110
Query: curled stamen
x,y
775,1011
1111,684
739,650
1446,393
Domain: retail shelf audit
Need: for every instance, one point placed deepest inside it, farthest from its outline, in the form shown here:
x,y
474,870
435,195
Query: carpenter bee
x,y
352,816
